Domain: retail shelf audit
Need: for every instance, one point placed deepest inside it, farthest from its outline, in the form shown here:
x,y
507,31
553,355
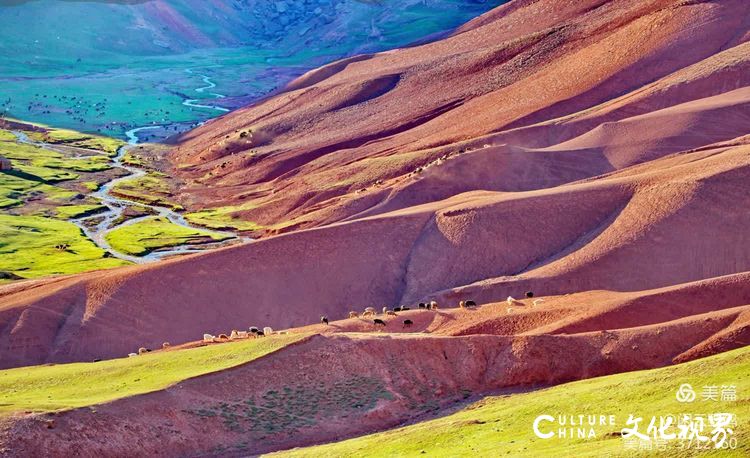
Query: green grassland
x,y
66,386
135,160
78,211
151,189
223,218
78,139
35,185
502,425
47,174
41,194
32,246
7,136
145,236
50,163
90,186
15,188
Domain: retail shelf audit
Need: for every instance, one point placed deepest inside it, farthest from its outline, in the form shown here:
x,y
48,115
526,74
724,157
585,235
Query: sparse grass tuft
x,y
296,406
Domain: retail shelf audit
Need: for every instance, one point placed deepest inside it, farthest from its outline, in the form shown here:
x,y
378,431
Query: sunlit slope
x,y
66,386
502,425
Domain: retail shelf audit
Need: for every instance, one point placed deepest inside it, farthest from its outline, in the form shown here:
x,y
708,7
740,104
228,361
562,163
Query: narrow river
x,y
97,230
209,85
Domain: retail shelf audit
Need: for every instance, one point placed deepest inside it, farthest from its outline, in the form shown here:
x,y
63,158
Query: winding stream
x,y
117,205
209,85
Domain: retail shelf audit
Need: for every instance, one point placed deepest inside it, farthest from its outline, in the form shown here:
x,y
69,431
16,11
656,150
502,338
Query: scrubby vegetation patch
x,y
293,407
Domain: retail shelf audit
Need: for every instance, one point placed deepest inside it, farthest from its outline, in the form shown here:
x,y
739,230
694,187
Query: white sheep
x,y
242,334
537,302
509,310
130,355
385,310
234,334
369,311
208,338
511,301
433,305
267,331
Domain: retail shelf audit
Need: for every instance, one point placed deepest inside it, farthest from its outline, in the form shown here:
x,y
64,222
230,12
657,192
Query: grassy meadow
x,y
149,234
66,386
33,246
150,189
39,196
223,218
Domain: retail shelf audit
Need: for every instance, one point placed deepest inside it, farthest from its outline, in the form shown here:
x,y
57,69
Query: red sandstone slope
x,y
345,127
577,169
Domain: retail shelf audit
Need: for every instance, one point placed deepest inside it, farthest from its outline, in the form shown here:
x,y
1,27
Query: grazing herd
x,y
254,332
432,305
251,333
